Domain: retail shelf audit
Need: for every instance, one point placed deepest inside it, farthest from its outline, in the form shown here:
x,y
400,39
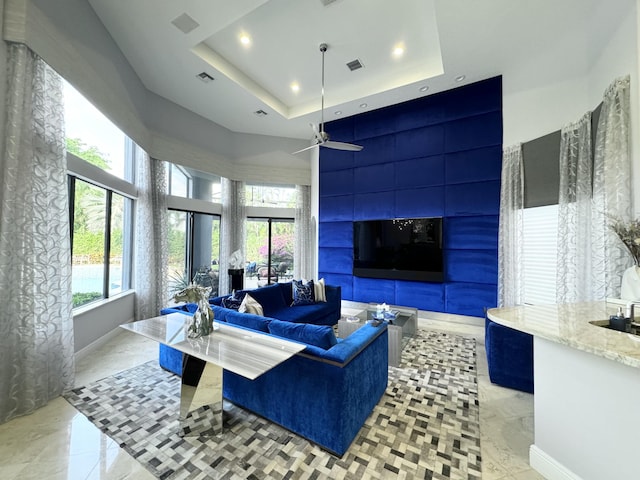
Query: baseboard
x,y
549,467
83,352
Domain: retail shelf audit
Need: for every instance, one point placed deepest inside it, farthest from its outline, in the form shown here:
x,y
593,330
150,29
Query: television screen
x,y
400,249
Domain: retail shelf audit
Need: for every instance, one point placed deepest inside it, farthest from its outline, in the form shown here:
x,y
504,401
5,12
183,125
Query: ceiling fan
x,y
320,136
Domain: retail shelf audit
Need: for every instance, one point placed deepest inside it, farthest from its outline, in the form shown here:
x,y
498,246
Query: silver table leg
x,y
200,398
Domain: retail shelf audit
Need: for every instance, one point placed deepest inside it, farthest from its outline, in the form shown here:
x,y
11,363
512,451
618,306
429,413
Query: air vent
x,y
327,2
185,23
355,64
205,77
260,113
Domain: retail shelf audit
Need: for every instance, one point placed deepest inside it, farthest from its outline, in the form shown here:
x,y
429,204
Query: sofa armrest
x,y
346,350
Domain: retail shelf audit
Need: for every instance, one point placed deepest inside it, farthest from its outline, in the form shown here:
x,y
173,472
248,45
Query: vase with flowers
x,y
202,320
629,234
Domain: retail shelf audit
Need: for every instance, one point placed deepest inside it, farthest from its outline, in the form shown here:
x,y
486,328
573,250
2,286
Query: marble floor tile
x,y
56,442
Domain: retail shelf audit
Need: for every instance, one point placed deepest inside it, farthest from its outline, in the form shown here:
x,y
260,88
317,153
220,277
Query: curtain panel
x,y
576,276
232,229
151,233
510,229
304,248
36,324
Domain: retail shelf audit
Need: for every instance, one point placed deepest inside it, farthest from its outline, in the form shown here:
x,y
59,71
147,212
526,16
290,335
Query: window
x,y
100,242
269,245
93,137
194,250
100,163
190,183
281,196
540,254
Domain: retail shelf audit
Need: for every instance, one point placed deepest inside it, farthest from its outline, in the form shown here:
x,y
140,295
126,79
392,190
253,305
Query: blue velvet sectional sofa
x,y
324,393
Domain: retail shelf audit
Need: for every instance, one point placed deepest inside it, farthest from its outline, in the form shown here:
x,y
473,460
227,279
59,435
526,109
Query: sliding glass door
x,y
269,246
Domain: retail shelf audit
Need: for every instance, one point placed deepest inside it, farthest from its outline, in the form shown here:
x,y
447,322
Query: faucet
x,y
629,311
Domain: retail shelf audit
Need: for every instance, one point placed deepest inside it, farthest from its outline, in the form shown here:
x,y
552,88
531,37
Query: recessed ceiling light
x,y
245,40
338,112
363,105
398,51
295,87
424,88
460,78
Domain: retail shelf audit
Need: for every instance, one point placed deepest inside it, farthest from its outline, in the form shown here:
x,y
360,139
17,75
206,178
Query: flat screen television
x,y
399,249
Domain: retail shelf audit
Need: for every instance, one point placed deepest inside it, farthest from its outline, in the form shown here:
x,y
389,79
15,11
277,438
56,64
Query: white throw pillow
x,y
250,305
319,291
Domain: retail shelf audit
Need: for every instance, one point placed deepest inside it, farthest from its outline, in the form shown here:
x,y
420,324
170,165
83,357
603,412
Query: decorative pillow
x,y
317,335
233,301
319,293
303,293
250,305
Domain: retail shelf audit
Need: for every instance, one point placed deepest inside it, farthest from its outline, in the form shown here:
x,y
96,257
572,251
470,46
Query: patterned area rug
x,y
426,425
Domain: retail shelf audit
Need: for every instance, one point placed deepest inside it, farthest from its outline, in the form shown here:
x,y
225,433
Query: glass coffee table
x,y
402,323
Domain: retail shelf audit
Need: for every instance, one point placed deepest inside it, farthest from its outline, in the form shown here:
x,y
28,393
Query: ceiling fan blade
x,y
342,146
307,148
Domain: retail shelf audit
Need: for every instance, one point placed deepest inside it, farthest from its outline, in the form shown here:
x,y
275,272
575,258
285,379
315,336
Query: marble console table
x,y
245,352
587,383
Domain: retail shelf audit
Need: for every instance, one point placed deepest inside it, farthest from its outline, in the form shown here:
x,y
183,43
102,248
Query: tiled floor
x,y
57,442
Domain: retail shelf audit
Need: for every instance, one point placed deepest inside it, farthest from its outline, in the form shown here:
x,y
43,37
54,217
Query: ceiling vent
x,y
327,2
260,113
355,64
205,77
185,23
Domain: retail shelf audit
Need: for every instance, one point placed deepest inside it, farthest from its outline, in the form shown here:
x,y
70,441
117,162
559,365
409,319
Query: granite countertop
x,y
568,324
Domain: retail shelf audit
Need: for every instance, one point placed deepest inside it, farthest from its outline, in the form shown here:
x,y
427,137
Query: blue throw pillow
x,y
303,293
233,301
317,335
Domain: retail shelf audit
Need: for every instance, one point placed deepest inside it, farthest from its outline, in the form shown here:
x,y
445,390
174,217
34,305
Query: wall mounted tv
x,y
399,249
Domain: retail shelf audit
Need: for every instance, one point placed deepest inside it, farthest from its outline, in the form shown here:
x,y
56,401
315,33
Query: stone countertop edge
x,y
568,324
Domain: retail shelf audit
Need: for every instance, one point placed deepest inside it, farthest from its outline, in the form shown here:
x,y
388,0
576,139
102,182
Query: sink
x,y
635,326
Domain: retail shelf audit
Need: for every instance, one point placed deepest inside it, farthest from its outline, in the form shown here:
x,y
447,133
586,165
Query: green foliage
x,y
89,153
86,297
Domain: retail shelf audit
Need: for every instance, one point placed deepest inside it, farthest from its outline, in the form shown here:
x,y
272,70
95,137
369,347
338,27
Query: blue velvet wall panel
x,y
471,232
421,295
336,209
474,165
480,131
345,282
470,298
420,172
336,234
375,178
419,202
372,206
439,155
375,150
374,290
335,160
419,142
335,260
336,183
476,266
481,198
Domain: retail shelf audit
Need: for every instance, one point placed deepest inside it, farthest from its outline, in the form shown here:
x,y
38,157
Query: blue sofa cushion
x,y
248,320
303,293
270,298
233,302
316,335
315,313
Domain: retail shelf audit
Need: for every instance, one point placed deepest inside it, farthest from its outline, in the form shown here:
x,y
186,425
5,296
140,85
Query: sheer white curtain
x,y
36,323
151,250
510,244
232,228
576,279
612,185
303,241
591,259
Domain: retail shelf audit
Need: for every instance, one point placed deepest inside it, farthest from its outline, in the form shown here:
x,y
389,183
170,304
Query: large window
x,y
269,245
190,183
194,250
540,254
101,164
280,196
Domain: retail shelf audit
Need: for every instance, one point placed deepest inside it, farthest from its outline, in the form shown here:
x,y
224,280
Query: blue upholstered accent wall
x,y
437,156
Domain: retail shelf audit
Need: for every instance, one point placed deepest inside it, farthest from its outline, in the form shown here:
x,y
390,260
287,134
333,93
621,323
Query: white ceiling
x,y
443,39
